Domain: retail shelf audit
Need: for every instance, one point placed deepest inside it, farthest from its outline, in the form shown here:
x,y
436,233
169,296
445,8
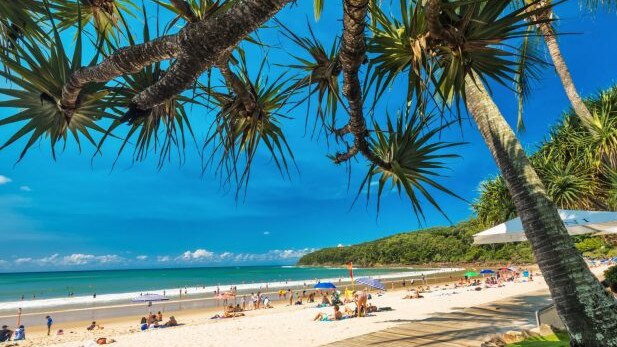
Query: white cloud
x,y
4,180
141,257
340,245
199,254
226,255
25,189
76,259
202,255
163,259
20,261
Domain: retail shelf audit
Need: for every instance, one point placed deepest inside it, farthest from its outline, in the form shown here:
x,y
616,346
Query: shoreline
x,y
186,293
69,315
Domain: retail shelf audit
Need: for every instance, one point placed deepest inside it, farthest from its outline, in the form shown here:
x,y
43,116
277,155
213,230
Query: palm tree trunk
x,y
589,313
564,74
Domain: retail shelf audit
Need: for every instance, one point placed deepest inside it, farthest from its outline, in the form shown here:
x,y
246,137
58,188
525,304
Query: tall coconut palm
x,y
546,29
463,46
548,32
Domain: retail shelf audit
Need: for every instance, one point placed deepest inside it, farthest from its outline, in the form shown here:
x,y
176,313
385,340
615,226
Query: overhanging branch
x,y
353,52
203,42
125,60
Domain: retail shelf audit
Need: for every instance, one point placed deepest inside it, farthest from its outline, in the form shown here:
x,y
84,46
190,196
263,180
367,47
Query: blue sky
x,y
78,213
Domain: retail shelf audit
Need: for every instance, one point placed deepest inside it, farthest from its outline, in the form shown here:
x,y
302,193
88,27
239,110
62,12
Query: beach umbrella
x,y
471,274
150,297
371,282
487,272
577,222
324,285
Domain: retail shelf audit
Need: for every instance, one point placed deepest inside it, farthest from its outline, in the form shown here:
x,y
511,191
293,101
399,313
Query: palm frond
x,y
18,18
318,8
319,70
238,134
38,75
477,41
570,185
494,204
528,69
415,158
397,47
104,15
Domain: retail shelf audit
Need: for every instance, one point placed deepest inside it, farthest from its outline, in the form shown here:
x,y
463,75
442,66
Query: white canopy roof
x,y
577,223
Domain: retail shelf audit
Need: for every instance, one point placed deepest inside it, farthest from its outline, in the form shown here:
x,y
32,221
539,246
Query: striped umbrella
x,y
371,282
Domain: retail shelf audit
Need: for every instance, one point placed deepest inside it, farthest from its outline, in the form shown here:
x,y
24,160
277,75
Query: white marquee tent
x,y
577,223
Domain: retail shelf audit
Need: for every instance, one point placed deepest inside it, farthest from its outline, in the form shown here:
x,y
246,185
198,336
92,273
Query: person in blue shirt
x,y
20,333
49,323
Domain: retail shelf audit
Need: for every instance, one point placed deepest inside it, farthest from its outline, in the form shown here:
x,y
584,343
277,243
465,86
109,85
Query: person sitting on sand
x,y
159,316
228,313
143,324
413,294
93,326
349,312
171,322
338,315
325,301
5,334
311,297
20,333
371,308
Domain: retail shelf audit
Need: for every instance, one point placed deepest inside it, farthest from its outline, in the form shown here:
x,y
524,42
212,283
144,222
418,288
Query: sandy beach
x,y
281,325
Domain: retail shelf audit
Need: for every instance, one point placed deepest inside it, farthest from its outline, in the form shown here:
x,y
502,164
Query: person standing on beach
x,y
49,323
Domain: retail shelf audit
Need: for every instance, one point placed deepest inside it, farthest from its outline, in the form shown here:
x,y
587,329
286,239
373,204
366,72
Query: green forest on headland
x,y
571,164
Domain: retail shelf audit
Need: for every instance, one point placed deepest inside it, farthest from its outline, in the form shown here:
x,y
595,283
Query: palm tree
x,y
548,32
458,48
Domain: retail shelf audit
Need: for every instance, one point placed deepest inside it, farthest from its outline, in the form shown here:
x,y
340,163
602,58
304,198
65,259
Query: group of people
x,y
6,334
156,321
360,299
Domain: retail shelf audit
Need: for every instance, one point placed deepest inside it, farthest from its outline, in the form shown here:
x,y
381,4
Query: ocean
x,y
49,289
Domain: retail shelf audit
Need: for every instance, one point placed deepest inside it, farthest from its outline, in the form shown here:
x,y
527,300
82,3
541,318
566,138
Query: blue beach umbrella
x,y
487,272
149,297
324,285
371,282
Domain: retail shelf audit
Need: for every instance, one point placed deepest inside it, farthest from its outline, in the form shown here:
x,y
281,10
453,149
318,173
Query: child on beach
x,y
338,315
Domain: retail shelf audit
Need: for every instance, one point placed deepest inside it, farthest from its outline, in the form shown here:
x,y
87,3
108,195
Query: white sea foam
x,y
173,293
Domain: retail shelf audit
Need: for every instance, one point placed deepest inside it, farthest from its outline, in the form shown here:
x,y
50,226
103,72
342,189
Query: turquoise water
x,y
48,285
